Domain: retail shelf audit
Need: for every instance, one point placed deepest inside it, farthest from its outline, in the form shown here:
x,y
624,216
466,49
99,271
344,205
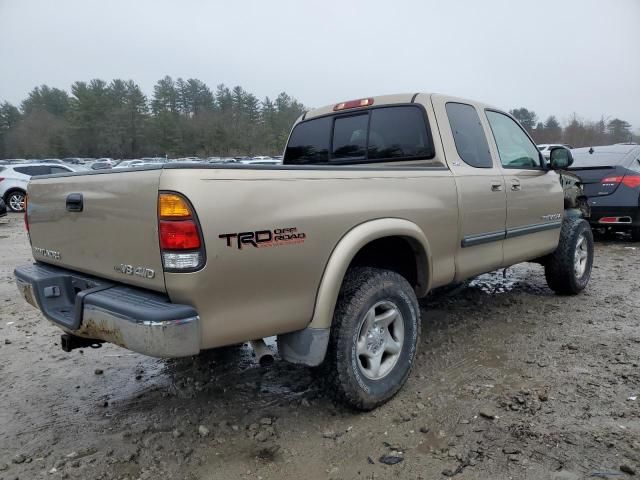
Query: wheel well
x,y
398,254
11,190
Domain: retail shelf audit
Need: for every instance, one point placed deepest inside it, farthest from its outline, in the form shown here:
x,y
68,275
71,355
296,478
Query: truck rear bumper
x,y
139,320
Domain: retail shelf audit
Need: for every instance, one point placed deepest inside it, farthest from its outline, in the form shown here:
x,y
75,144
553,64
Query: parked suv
x,y
14,180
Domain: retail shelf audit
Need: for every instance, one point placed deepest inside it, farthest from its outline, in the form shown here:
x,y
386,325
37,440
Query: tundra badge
x,y
47,253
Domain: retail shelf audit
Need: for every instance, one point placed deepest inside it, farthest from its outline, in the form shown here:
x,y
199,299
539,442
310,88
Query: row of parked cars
x,y
144,162
15,173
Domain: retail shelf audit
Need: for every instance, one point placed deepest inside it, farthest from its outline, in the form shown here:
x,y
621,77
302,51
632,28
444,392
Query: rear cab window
x,y
350,137
468,135
309,142
373,135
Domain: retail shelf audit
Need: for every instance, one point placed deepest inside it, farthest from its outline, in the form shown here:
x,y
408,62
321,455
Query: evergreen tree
x,y
619,131
527,118
9,118
553,130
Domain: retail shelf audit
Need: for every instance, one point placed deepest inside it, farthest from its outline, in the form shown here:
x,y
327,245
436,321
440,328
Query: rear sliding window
x,y
380,134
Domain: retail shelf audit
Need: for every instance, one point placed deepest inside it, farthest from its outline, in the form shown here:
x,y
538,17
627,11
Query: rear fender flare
x,y
347,248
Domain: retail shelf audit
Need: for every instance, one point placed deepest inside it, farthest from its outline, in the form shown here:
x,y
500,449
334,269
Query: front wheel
x,y
568,269
374,336
16,200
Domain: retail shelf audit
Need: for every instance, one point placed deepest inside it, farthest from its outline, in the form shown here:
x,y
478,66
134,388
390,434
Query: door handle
x,y
515,186
496,186
75,202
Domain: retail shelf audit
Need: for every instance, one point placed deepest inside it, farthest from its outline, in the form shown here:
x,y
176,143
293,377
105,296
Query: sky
x,y
553,56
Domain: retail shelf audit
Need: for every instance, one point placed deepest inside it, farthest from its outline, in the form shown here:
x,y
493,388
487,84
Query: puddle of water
x,y
494,282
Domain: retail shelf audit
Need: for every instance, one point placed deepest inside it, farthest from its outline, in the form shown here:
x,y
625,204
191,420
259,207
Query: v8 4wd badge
x,y
133,270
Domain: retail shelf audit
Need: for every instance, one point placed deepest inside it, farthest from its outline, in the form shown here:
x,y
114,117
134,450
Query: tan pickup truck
x,y
379,201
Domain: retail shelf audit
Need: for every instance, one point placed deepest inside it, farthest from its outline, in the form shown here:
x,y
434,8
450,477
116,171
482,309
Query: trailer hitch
x,y
71,342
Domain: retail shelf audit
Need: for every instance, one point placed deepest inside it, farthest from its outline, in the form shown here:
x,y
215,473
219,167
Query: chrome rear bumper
x,y
138,320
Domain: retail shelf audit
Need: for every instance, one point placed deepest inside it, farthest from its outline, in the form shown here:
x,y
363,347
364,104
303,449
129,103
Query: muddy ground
x,y
511,382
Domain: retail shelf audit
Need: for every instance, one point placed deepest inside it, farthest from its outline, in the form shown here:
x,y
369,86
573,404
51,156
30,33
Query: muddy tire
x,y
568,269
374,336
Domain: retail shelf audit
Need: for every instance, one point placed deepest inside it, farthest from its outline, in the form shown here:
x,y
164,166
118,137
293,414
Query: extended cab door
x,y
535,200
480,184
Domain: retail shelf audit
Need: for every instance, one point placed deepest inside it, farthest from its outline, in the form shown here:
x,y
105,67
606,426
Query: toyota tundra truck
x,y
378,201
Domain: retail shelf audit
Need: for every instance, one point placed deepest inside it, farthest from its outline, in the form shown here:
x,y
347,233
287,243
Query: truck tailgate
x,y
102,224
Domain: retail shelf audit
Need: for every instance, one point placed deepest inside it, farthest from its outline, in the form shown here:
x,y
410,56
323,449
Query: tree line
x,y
577,132
116,119
186,117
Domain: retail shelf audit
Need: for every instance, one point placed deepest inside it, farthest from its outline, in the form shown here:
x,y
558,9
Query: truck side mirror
x,y
560,158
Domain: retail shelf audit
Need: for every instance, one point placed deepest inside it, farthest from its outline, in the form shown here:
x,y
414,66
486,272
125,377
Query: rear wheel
x,y
374,336
635,234
568,269
15,200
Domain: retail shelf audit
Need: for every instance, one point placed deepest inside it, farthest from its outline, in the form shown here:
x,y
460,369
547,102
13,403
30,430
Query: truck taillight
x,y
179,235
181,241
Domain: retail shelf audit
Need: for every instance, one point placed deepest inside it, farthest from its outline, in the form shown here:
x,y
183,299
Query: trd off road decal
x,y
264,238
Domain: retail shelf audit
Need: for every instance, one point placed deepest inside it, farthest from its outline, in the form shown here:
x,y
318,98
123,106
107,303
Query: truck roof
x,y
377,100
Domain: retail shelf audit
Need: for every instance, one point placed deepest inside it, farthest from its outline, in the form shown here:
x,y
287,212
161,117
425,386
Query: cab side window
x,y
471,142
515,148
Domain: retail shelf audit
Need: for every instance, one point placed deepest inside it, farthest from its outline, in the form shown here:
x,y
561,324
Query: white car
x,y
14,180
546,147
129,164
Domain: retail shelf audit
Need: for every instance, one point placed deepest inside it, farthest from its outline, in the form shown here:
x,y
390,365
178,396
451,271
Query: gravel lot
x,y
511,382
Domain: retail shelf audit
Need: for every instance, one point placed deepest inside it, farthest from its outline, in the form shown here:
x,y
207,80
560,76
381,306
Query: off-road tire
x,y
362,289
560,265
